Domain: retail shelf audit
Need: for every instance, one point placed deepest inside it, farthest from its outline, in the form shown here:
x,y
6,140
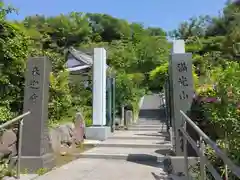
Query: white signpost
x,y
99,130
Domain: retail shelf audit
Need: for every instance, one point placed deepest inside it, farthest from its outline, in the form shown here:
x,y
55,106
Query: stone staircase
x,y
151,109
138,153
144,143
136,141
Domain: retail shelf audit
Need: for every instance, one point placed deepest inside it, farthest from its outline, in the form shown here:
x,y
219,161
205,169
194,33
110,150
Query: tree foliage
x,y
133,51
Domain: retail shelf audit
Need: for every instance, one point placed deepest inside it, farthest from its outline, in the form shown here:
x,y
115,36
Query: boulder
x,y
55,139
8,145
65,134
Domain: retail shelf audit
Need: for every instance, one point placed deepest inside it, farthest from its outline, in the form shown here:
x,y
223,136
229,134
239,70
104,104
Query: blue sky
x,y
167,14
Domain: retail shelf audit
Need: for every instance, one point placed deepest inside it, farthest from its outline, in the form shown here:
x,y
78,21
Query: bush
x,y
5,114
128,91
88,122
60,101
219,107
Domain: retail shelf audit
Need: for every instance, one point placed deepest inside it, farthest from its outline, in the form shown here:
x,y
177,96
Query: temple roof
x,y
78,60
81,56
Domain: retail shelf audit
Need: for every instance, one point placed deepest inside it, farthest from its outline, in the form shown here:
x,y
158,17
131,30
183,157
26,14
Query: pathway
x,y
136,154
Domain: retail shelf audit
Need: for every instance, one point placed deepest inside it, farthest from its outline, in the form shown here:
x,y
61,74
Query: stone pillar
x,y
99,130
113,105
99,76
181,88
109,102
122,116
128,117
36,147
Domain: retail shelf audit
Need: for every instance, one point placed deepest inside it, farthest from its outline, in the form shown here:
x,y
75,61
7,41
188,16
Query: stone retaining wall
x,y
62,138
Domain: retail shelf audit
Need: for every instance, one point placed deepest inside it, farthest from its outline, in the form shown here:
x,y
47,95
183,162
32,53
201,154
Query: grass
x,y
71,155
53,124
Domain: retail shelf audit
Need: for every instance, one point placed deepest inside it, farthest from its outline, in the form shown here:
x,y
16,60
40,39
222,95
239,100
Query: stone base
x,y
32,164
100,133
175,164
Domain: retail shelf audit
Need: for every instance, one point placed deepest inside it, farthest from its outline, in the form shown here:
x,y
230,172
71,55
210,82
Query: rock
x,y
65,134
65,150
9,137
4,151
70,127
62,135
55,139
8,144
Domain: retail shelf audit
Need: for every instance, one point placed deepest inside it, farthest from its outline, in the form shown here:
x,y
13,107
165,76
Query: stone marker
x,y
36,147
78,131
128,117
182,90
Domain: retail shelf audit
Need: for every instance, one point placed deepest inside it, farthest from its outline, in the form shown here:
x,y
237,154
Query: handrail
x,y
6,124
234,168
14,120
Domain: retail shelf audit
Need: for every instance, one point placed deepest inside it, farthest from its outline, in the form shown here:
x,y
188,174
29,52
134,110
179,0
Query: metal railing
x,y
200,150
163,104
20,125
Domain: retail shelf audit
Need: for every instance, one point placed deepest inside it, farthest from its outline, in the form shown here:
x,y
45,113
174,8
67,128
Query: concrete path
x,y
136,154
101,169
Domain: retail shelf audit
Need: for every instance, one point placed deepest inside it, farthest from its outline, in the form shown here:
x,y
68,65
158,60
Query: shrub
x,y
220,106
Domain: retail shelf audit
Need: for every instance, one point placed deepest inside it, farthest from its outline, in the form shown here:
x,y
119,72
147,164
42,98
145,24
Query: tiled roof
x,y
81,56
78,68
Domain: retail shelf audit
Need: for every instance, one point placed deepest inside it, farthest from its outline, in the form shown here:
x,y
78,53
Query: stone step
x,y
130,154
148,135
119,156
131,143
159,129
149,121
148,126
138,137
128,133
